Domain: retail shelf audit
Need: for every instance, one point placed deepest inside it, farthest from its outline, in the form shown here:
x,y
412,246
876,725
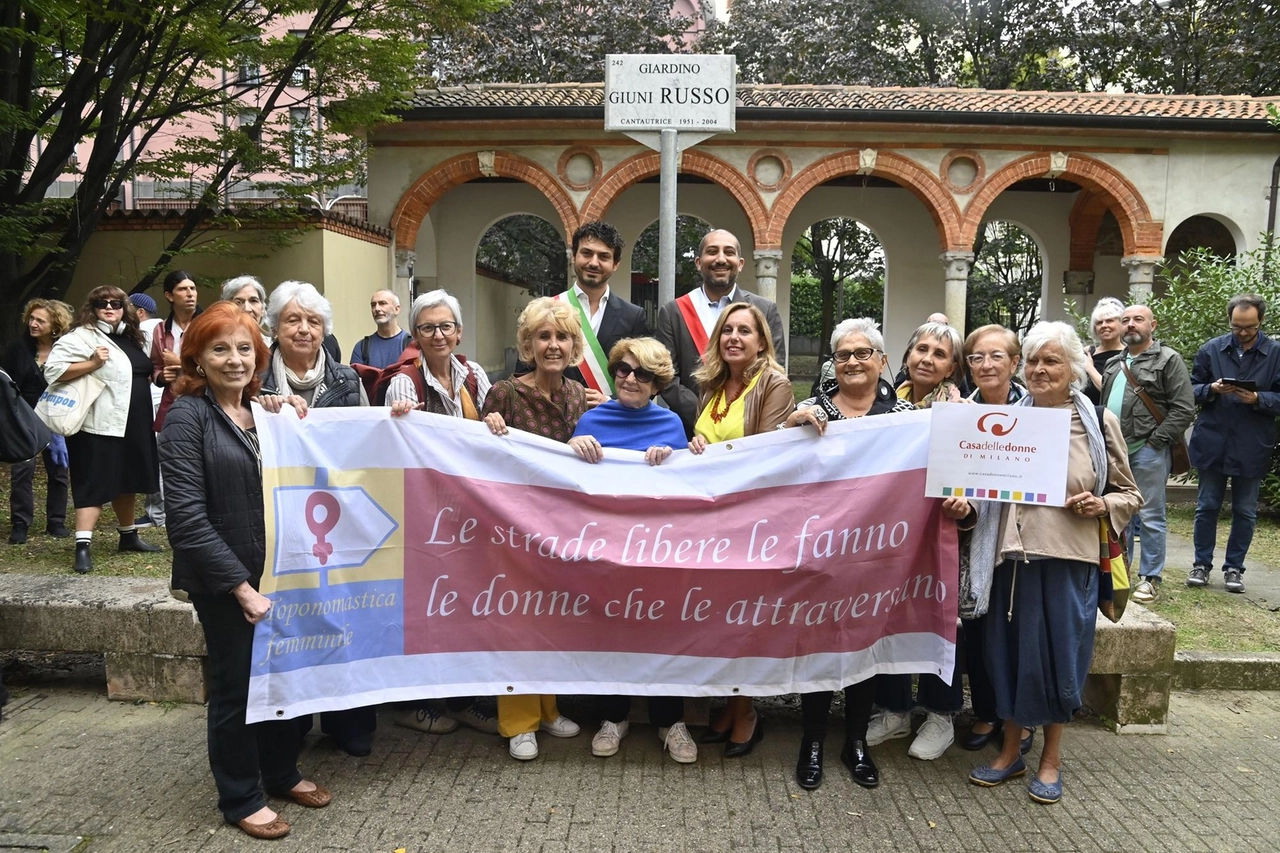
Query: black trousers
x,y
22,498
981,691
246,760
664,711
893,693
816,710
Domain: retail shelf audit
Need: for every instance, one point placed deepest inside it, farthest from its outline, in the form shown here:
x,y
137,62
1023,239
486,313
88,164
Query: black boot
x,y
84,560
131,541
18,535
861,767
809,765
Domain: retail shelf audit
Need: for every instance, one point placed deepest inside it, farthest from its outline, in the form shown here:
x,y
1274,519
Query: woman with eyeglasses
x,y
1104,325
857,390
993,355
113,456
641,368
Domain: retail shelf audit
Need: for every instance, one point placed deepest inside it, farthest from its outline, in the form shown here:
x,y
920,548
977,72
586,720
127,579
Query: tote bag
x,y
64,406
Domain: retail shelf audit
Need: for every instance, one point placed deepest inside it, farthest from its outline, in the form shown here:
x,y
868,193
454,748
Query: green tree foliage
x,y
689,233
1005,280
553,41
124,74
831,256
526,250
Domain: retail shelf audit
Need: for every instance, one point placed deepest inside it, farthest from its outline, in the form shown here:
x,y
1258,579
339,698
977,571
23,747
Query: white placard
x,y
1011,454
689,92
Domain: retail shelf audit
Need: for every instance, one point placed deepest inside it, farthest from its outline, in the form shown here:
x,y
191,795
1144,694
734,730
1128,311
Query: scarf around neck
x,y
286,379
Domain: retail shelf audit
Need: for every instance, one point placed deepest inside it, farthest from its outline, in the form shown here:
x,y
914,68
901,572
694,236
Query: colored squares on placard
x,y
1004,494
968,493
946,491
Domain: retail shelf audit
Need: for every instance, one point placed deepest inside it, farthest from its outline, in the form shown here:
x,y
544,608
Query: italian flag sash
x,y
693,322
595,362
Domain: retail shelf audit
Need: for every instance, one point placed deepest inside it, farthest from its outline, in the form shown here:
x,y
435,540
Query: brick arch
x,y
1085,220
1142,235
920,183
428,189
692,162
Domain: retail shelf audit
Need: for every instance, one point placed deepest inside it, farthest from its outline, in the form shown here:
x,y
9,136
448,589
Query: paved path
x,y
135,778
1261,581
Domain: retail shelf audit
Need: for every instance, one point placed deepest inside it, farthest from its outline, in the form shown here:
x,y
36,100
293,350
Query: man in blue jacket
x,y
1234,435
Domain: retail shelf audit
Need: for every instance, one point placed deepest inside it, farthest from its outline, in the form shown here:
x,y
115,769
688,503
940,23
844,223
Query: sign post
x,y
669,103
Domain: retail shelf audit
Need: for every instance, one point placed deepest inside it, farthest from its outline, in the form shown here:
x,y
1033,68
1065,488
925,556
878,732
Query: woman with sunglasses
x,y
113,457
857,390
641,368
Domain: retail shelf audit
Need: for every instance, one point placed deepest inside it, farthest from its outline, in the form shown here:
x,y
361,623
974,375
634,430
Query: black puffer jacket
x,y
341,385
212,499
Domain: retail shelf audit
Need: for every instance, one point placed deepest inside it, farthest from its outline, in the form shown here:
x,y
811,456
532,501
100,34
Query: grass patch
x,y
44,555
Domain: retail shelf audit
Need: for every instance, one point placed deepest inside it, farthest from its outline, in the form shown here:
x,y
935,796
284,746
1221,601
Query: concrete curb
x,y
1213,670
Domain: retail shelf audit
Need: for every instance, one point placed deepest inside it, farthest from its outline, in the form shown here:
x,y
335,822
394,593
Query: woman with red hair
x,y
212,469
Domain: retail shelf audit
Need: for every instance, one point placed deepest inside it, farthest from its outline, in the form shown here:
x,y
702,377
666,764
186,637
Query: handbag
x,y
22,434
64,406
1114,583
1180,459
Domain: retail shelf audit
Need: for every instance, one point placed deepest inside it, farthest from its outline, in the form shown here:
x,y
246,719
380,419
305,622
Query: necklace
x,y
716,415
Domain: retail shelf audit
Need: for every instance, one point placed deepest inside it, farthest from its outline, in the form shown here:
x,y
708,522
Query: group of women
x,y
1034,566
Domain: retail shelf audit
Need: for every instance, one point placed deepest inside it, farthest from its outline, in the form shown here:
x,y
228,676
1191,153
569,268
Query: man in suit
x,y
606,318
685,323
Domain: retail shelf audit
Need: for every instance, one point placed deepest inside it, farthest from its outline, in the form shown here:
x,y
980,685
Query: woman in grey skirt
x,y
1043,591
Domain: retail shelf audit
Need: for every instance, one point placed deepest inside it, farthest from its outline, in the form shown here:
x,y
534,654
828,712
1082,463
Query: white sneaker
x,y
475,717
561,726
427,720
677,741
524,747
1145,592
935,735
606,741
887,725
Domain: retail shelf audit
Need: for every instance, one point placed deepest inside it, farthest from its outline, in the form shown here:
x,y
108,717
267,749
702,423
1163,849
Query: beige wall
x,y
352,269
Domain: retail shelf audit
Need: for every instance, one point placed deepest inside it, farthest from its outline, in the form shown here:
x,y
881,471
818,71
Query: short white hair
x,y
434,299
308,299
395,300
864,326
1108,308
232,286
1056,332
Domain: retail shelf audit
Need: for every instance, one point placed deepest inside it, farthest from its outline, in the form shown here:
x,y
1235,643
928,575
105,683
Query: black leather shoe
x,y
18,535
809,766
358,746
733,749
973,741
84,559
713,736
861,766
131,541
1028,741
57,530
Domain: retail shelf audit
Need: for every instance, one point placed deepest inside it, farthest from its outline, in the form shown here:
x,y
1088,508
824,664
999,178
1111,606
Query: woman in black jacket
x,y
45,321
213,501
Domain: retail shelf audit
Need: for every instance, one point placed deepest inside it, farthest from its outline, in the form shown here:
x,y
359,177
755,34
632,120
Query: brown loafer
x,y
266,831
317,799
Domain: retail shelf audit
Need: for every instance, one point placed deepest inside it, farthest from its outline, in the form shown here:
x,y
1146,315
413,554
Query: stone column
x,y
767,261
1142,273
956,273
403,286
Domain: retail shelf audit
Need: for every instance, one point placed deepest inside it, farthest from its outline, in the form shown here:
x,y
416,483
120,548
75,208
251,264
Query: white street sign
x,y
319,528
694,93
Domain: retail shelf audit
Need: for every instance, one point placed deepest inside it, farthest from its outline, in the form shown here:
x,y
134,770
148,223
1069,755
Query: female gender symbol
x,y
320,529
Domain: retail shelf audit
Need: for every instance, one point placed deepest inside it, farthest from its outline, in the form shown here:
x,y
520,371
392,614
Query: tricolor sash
x,y
595,361
693,321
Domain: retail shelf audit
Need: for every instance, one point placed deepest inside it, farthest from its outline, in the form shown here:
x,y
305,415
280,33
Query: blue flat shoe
x,y
1043,792
1028,741
988,777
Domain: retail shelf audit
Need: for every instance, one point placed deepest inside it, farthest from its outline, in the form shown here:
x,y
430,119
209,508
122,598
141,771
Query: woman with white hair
x,y
247,292
1104,325
1035,567
439,380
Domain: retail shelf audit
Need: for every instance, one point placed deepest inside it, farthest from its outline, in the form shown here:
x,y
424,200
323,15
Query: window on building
x,y
300,149
302,74
250,73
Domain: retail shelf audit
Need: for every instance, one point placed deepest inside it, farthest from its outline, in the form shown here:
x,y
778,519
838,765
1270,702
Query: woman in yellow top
x,y
744,392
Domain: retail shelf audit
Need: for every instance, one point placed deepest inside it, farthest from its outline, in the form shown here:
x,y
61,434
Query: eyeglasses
x,y
1252,328
997,357
860,354
108,303
622,370
428,330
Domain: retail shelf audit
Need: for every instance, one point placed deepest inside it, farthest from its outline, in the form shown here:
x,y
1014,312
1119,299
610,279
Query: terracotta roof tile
x,y
891,99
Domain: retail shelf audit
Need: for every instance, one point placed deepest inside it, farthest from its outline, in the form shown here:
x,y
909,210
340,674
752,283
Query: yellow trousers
x,y
520,714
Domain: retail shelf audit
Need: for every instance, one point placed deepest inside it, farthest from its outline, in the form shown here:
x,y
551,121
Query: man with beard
x,y
386,345
1148,376
1236,381
685,323
606,317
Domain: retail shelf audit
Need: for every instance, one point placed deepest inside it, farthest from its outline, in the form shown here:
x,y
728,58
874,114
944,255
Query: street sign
x,y
692,92
320,528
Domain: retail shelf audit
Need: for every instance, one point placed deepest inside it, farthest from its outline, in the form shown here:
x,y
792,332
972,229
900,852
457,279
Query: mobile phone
x,y
1242,384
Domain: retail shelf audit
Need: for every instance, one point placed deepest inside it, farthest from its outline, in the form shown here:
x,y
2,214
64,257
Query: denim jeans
x,y
1244,517
1151,472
